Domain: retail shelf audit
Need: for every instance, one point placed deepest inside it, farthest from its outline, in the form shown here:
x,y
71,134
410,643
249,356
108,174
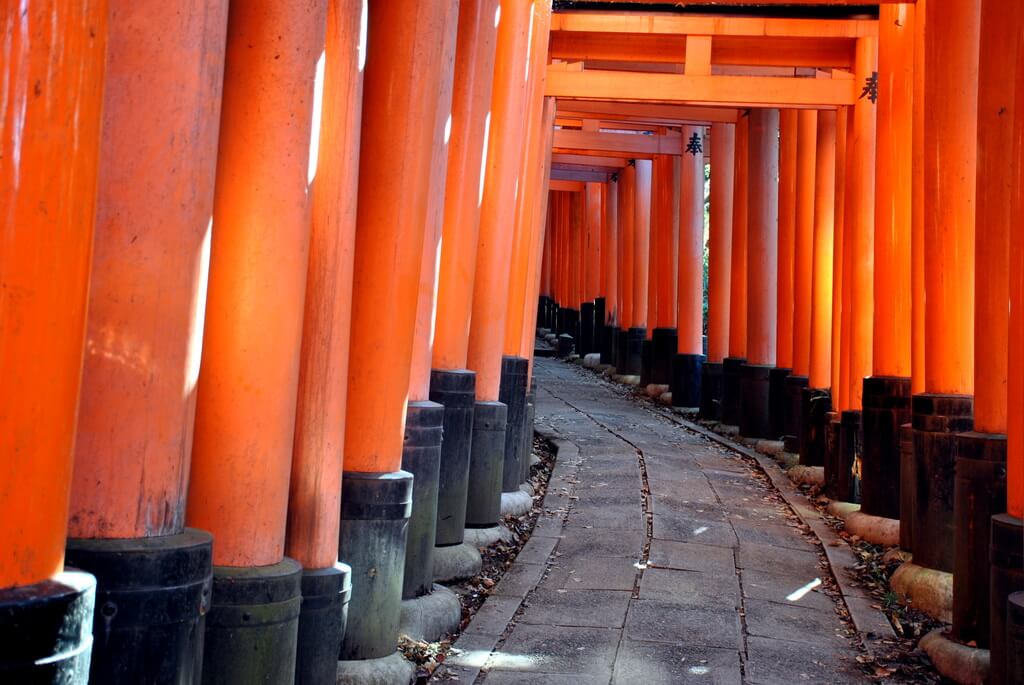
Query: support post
x,y
731,395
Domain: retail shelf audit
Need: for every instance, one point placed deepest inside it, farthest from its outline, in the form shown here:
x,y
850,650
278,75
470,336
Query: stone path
x,y
660,558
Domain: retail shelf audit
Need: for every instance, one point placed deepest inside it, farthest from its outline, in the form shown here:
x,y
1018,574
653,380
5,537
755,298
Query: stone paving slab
x,y
685,584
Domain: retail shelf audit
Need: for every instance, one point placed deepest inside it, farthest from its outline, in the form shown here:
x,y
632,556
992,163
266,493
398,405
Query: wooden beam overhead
x,y
711,25
734,91
588,160
612,110
566,186
637,145
581,175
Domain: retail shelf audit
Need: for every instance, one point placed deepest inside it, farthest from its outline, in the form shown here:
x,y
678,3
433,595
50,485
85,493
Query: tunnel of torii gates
x,y
271,277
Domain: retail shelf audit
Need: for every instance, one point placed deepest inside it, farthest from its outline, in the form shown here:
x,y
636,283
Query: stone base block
x,y
958,662
453,563
432,616
393,669
515,503
927,589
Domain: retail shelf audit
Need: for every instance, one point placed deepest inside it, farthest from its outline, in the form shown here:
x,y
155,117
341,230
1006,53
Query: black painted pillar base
x,y
486,464
1015,638
554,316
375,510
421,456
635,338
46,630
886,402
833,438
731,392
252,629
570,322
936,418
543,312
815,406
842,482
526,444
456,391
754,400
687,372
566,345
1006,577
512,393
710,391
646,361
610,345
587,323
325,597
152,596
793,388
777,406
979,493
621,350
664,343
908,487
600,327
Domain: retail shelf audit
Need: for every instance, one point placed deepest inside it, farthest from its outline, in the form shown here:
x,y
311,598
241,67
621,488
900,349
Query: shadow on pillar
x,y
886,402
687,372
815,408
664,343
754,389
512,393
777,407
486,464
152,596
46,630
1006,577
731,391
325,597
936,418
793,388
586,336
710,391
979,493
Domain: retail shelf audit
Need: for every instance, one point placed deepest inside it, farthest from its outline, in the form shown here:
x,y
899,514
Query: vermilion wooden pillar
x,y
803,282
627,269
610,255
762,270
52,78
788,142
723,168
590,260
641,229
402,83
886,394
730,406
145,332
246,397
661,331
839,291
453,385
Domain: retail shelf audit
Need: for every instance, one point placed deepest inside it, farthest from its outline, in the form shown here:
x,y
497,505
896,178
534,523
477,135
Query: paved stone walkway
x,y
660,558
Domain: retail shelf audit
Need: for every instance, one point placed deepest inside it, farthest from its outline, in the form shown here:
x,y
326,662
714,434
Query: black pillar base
x,y
754,400
815,406
710,391
792,430
587,323
777,406
1015,638
908,487
421,456
512,393
325,596
375,509
833,438
554,316
526,445
839,464
621,351
886,403
686,380
600,326
646,362
936,418
456,391
1006,577
664,343
610,345
635,338
572,324
731,393
979,493
544,312
486,464
566,345
46,630
252,629
152,595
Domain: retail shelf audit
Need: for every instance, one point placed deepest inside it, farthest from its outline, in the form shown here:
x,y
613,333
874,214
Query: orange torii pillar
x,y
641,206
815,400
509,99
982,528
689,352
762,270
314,498
424,418
627,264
452,385
610,257
246,395
664,247
145,329
575,243
886,392
720,235
950,176
858,255
838,288
403,78
591,267
52,77
788,154
803,281
544,306
729,407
